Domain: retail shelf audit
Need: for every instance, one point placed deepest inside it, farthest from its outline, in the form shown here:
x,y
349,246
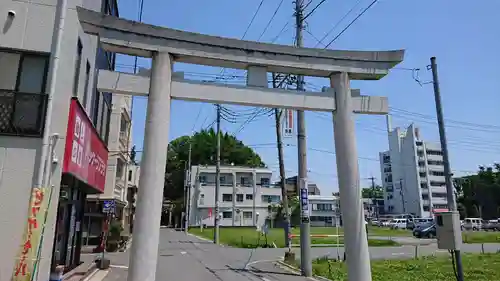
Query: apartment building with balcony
x,y
119,146
245,194
80,116
412,171
324,210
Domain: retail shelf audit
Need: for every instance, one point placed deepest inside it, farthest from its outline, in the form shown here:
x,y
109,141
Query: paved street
x,y
185,257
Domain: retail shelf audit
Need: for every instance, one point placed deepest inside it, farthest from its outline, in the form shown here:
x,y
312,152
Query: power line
x,y
253,18
351,23
271,19
313,9
338,23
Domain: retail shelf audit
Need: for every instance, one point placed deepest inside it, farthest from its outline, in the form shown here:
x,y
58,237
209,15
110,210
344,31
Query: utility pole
x,y
374,202
402,193
305,239
217,180
279,141
188,190
447,171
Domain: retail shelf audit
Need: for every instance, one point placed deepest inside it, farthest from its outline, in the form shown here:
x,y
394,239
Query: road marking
x,y
264,279
398,254
119,266
183,253
258,261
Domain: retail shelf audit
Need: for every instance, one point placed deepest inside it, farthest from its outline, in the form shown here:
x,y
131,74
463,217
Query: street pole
x,y
447,171
279,141
305,239
217,180
374,203
188,189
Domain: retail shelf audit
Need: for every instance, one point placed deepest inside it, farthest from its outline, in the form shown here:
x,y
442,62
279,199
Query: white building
x,y
25,48
119,145
412,174
324,210
245,194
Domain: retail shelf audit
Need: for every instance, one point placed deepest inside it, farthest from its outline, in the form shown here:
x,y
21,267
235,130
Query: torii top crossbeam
x,y
134,38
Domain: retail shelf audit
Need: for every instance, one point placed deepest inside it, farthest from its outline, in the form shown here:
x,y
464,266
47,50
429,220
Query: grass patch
x,y
477,237
249,238
477,267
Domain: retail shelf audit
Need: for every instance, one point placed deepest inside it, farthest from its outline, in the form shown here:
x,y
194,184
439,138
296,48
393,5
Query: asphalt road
x,y
185,257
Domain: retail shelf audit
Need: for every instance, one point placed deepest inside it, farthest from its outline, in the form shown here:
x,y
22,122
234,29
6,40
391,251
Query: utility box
x,y
448,232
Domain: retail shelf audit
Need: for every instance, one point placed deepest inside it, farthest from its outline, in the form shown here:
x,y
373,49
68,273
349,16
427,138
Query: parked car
x,y
425,231
490,225
472,224
413,223
398,224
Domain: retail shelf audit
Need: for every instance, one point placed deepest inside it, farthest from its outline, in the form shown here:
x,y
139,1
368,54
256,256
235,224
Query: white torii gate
x,y
166,46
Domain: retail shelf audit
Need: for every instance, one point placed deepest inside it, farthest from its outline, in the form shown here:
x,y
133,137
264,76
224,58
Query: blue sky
x,y
461,34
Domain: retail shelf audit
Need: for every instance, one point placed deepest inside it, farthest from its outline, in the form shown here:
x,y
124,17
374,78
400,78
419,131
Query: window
x,y
422,174
386,159
22,93
425,196
78,62
129,175
389,197
202,199
227,197
419,143
249,197
227,215
270,198
436,173
119,168
86,88
245,181
435,162
95,107
247,215
222,179
322,207
203,179
437,183
239,197
439,195
264,182
423,185
434,152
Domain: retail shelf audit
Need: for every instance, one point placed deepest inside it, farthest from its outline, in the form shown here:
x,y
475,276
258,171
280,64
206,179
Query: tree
x,y
369,192
479,195
203,152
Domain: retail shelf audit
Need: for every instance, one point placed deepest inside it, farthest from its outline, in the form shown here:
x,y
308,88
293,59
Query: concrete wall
x,y
32,30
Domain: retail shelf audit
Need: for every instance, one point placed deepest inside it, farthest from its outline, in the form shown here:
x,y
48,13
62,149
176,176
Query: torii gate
x,y
166,46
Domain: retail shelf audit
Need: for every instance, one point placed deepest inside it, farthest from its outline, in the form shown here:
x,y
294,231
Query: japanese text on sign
x,y
25,264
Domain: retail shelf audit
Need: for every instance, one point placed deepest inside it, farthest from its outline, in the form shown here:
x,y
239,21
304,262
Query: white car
x,y
398,224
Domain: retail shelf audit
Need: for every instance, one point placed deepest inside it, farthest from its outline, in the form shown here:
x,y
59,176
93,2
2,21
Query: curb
x,y
204,239
84,275
295,270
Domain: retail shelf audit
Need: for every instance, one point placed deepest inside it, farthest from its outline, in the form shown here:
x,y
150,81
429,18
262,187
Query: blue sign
x,y
304,202
108,206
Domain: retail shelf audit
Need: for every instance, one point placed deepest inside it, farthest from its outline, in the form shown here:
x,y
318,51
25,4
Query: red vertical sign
x,y
85,154
288,120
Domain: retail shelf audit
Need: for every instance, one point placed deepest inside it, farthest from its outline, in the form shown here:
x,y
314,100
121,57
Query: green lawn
x,y
477,267
250,238
481,237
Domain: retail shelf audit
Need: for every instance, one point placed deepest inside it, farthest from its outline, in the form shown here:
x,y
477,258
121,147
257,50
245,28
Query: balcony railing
x,y
22,114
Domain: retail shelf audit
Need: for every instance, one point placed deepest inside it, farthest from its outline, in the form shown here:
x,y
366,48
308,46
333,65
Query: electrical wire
x,y
351,23
313,9
271,20
338,23
253,18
